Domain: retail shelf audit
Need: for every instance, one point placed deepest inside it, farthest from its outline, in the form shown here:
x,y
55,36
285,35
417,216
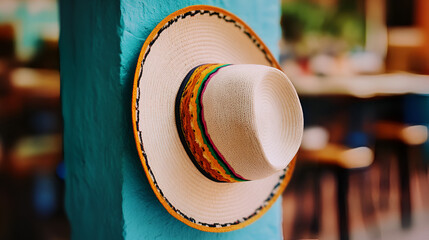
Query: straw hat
x,y
217,124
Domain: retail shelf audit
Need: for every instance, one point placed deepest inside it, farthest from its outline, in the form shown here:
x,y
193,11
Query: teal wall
x,y
107,193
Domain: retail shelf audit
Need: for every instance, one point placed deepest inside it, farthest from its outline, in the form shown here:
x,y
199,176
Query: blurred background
x,y
360,68
31,165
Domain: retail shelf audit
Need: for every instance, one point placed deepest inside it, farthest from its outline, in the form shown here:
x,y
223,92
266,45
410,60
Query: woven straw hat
x,y
217,124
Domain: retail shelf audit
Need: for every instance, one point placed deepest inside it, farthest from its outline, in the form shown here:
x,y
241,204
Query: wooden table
x,y
362,86
42,83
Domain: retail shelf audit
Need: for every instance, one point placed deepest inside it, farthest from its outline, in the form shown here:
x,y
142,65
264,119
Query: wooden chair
x,y
342,161
397,138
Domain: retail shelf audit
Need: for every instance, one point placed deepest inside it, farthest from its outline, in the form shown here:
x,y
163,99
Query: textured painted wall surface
x,y
96,122
107,193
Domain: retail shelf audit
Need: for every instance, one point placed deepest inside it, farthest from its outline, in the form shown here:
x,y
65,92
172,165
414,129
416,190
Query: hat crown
x,y
239,122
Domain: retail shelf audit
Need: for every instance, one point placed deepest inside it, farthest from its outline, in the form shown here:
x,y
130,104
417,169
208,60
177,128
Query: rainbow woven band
x,y
192,126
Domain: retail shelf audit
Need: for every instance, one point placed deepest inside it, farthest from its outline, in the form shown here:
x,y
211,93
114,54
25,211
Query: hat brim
x,y
186,38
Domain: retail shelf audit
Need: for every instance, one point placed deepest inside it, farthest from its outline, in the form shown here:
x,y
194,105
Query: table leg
x,y
315,222
404,185
342,198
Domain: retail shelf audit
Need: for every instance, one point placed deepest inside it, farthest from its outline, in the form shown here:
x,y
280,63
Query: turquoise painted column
x,y
107,193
